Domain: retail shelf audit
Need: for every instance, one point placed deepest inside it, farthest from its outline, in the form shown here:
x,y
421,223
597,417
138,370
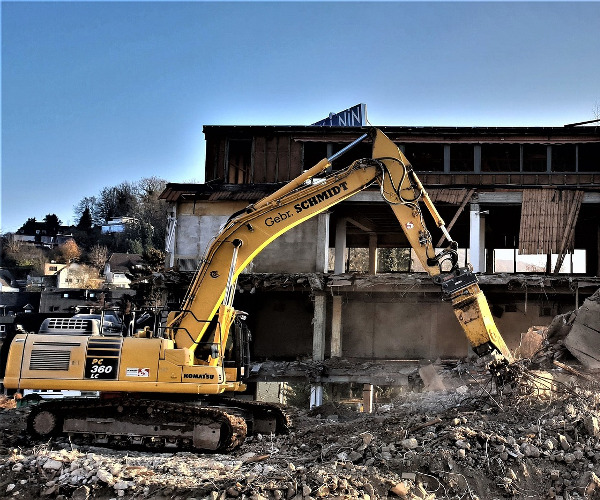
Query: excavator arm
x,y
246,233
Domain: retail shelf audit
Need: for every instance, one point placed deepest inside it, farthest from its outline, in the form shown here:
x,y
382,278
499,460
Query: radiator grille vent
x,y
68,324
50,360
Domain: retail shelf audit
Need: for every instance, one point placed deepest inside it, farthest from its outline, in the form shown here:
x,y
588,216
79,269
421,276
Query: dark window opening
x,y
239,161
426,157
500,158
314,152
534,157
589,157
462,158
358,152
563,158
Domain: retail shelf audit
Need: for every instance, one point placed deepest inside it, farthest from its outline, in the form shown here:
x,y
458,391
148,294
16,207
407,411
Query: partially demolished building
x,y
522,203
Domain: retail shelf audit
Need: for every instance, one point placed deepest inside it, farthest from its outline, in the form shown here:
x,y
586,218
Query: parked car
x,y
110,324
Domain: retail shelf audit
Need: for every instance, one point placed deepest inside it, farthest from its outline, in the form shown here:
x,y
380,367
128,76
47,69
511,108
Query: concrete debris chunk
x,y
52,465
591,425
583,341
531,342
431,379
400,489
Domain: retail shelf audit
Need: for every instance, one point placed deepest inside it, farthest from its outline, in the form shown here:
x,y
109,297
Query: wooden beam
x,y
569,229
362,223
466,199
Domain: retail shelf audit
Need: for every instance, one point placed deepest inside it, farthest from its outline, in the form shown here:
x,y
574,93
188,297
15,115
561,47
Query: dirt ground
x,y
540,440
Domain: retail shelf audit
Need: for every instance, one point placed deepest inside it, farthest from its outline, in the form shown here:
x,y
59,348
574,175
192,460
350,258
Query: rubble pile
x,y
462,443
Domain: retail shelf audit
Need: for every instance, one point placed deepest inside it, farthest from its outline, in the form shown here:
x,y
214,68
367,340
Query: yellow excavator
x,y
166,389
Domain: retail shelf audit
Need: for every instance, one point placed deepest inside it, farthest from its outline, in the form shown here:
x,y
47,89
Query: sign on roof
x,y
356,116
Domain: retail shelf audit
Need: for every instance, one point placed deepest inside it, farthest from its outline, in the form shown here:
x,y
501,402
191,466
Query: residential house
x,y
117,224
38,235
121,268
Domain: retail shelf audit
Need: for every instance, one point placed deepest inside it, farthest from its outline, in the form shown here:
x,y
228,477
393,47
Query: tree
x,y
52,224
29,227
394,259
69,251
98,256
89,203
83,276
152,210
117,201
155,259
85,222
23,255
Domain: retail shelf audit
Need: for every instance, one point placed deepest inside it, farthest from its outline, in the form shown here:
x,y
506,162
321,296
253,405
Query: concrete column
x,y
336,327
171,237
446,158
319,328
477,158
316,395
477,238
316,390
372,253
368,398
340,246
322,251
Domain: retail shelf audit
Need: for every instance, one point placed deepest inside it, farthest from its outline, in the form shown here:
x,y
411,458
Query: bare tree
x,y
84,276
98,256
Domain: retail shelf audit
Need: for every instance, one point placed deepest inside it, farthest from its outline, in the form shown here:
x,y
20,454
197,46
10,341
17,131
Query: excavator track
x,y
261,417
139,423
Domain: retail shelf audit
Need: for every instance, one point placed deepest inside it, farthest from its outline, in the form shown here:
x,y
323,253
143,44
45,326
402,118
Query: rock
x,y
233,492
591,425
121,485
400,489
463,445
410,443
367,438
564,442
105,476
52,465
530,450
10,487
81,493
322,491
49,491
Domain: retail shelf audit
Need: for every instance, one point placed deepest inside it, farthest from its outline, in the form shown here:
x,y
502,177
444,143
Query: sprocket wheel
x,y
43,423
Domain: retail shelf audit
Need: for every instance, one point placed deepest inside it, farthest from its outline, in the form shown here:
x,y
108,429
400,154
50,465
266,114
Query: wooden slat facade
x,y
450,196
547,219
268,154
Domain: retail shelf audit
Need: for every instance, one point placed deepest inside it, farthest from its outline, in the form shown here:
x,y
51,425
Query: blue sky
x,y
98,93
